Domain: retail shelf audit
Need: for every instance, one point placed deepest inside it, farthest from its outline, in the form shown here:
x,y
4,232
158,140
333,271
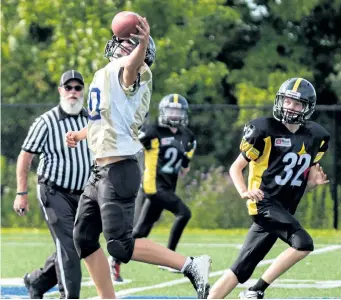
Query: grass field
x,y
318,276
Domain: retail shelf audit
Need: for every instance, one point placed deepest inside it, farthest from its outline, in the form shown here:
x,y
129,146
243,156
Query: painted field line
x,y
18,281
203,245
269,261
212,245
213,274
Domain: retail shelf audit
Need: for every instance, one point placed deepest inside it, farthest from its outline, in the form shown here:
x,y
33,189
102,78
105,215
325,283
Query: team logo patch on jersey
x,y
167,140
248,130
282,142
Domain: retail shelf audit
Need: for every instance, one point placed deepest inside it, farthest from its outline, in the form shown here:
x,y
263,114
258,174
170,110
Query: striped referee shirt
x,y
68,168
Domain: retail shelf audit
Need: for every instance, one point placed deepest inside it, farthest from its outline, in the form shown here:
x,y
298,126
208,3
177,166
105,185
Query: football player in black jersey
x,y
168,149
282,153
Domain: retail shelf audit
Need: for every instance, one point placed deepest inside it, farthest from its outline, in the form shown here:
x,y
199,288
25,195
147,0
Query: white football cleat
x,y
247,294
197,272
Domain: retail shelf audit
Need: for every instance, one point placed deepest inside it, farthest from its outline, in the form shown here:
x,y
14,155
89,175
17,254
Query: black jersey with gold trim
x,y
280,160
165,154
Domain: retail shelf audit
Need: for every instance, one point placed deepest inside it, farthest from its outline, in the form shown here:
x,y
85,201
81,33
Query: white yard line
x,y
203,245
213,274
285,283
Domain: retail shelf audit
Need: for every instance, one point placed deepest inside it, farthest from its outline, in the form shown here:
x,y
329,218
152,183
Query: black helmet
x,y
300,90
116,43
173,111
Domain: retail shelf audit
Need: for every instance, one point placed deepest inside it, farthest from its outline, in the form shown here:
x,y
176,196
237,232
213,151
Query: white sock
x,y
187,262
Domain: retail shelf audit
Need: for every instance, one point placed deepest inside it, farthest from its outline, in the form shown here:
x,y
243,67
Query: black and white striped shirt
x,y
68,168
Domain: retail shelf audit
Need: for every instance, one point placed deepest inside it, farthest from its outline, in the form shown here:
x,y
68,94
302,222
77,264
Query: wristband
x,y
22,193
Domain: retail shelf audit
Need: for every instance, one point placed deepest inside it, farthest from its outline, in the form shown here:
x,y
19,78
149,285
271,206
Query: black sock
x,y
261,285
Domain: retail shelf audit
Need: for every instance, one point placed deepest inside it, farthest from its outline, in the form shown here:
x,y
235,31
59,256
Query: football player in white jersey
x,y
119,98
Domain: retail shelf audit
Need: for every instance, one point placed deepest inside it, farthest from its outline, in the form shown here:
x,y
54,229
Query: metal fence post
x,y
334,181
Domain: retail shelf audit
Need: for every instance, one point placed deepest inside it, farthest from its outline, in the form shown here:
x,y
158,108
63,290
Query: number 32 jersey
x,y
280,160
165,153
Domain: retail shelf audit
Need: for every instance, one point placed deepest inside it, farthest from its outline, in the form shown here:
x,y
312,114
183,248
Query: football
x,y
124,23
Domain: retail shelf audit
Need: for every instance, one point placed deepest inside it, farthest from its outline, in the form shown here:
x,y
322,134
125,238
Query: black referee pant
x,y
59,208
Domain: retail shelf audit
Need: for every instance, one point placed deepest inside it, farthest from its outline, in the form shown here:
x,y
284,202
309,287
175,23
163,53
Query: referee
x,y
62,174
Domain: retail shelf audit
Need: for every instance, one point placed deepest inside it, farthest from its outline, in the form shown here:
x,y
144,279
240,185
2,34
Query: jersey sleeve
x,y
189,152
147,135
252,144
323,148
144,77
36,137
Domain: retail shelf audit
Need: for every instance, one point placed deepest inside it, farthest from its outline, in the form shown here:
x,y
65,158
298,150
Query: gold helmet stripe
x,y
176,98
297,83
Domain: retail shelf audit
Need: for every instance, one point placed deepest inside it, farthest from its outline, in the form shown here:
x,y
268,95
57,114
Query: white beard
x,y
72,108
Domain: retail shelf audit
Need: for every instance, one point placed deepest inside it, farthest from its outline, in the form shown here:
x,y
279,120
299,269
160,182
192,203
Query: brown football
x,y
124,23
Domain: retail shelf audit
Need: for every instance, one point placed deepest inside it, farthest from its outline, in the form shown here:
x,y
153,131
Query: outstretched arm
x,y
73,137
136,59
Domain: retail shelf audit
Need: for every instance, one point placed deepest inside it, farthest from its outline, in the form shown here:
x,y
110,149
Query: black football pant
x,y
140,200
151,212
63,266
271,222
107,205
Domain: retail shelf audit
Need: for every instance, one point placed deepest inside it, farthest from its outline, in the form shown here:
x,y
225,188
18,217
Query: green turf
x,y
22,251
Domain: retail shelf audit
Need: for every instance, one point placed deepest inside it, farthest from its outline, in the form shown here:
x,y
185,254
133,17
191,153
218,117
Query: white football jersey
x,y
116,113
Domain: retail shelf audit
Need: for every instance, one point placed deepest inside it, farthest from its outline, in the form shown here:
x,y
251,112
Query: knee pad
x,y
244,273
183,212
85,240
186,213
301,240
117,231
121,250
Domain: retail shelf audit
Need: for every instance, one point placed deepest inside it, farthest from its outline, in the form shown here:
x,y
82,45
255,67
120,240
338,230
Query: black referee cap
x,y
69,75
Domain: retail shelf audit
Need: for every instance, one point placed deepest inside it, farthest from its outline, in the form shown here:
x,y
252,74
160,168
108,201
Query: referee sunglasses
x,y
77,88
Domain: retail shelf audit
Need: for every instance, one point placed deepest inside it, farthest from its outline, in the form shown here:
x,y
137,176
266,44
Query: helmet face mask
x,y
295,89
173,111
116,48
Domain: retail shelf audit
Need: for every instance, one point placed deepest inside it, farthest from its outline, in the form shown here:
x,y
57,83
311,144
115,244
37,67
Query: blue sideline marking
x,y
15,292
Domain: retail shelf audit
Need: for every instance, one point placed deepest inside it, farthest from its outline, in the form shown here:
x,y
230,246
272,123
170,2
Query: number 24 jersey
x,y
280,160
165,154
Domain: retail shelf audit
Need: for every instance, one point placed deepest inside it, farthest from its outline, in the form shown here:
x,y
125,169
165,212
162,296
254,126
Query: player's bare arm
x,y
73,137
184,171
136,59
316,177
24,162
236,173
